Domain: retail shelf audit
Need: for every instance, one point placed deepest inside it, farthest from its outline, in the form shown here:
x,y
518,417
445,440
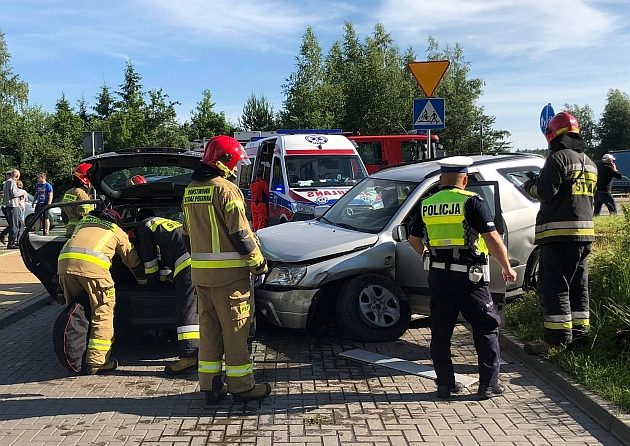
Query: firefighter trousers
x,y
452,292
225,315
102,297
187,317
563,287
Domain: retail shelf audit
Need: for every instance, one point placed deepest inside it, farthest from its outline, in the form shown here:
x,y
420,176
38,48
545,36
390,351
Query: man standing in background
x,y
12,197
606,171
42,197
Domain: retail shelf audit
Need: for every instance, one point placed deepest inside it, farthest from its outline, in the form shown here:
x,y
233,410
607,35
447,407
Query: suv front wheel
x,y
372,308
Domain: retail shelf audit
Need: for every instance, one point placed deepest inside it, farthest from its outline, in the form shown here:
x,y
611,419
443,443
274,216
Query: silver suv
x,y
353,262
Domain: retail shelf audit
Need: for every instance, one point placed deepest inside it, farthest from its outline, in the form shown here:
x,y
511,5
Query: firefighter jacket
x,y
446,226
89,252
76,213
223,247
162,247
565,188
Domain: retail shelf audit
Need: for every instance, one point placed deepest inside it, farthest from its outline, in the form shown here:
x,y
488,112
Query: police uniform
x,y
163,251
564,232
75,213
223,251
83,267
451,222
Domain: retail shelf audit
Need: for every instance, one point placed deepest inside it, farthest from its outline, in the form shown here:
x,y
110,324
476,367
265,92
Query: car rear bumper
x,y
285,308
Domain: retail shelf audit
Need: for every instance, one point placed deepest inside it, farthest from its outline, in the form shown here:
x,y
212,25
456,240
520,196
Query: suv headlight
x,y
303,208
286,275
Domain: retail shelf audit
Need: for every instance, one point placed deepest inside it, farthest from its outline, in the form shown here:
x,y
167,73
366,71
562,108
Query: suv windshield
x,y
152,174
369,206
323,170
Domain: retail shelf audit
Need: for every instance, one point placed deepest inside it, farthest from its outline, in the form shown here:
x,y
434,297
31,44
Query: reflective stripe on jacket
x,y
223,246
566,187
162,247
444,218
89,252
76,213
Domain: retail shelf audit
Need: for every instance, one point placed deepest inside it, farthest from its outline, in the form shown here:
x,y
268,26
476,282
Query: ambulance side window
x,y
277,183
245,176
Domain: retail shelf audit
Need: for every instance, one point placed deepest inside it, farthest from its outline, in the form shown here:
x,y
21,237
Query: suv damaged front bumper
x,y
285,308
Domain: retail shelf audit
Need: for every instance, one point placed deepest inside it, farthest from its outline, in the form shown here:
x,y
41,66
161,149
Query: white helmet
x,y
608,157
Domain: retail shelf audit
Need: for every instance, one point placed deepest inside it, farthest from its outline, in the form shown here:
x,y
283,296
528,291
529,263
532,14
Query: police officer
x,y
78,192
224,252
83,267
564,233
163,249
455,233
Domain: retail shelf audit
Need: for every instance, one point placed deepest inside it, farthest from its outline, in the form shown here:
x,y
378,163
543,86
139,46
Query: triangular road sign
x,y
428,116
428,74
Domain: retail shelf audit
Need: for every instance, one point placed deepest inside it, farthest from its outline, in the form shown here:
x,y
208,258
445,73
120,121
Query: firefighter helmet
x,y
81,173
136,179
225,153
562,123
110,215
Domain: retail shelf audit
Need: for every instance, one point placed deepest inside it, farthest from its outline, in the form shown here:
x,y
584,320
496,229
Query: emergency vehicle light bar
x,y
309,131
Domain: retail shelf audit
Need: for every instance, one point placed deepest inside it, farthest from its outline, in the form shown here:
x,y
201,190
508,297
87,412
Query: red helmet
x,y
560,124
136,179
81,173
225,153
110,215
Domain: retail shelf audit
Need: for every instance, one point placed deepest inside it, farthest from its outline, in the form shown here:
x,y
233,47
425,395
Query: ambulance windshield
x,y
324,170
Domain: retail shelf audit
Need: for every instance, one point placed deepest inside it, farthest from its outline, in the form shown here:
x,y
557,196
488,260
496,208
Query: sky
x,y
528,52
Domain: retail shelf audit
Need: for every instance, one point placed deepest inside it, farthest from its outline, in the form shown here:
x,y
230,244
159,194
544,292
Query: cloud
x,y
502,27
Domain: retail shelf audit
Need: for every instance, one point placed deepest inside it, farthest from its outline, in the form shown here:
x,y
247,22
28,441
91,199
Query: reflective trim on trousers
x,y
237,371
182,262
209,366
99,344
186,332
558,325
558,318
581,323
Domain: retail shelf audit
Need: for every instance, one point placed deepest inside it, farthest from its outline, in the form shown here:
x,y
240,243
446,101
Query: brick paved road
x,y
319,399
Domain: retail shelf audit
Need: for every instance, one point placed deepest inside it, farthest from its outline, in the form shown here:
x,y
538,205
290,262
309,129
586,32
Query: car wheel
x,y
530,280
372,308
28,220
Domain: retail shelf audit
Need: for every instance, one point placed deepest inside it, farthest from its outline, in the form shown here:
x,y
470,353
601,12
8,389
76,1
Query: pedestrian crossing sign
x,y
428,114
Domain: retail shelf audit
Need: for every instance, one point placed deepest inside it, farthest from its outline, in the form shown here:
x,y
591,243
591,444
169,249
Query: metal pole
x,y
93,153
429,148
481,138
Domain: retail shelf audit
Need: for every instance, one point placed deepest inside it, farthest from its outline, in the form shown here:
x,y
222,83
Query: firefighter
x,y
260,201
78,192
83,267
163,249
458,231
564,233
224,251
136,179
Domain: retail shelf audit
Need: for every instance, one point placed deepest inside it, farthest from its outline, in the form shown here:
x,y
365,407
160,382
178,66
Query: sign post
x,y
428,74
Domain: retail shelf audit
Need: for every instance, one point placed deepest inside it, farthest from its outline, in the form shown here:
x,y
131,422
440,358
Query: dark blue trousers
x,y
452,292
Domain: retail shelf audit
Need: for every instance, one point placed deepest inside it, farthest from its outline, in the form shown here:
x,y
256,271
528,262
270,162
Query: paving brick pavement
x,y
319,398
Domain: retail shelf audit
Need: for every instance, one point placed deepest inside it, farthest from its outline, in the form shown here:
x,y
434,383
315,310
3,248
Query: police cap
x,y
455,164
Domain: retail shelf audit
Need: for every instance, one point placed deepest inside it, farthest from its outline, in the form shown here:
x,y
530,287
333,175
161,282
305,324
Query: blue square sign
x,y
428,114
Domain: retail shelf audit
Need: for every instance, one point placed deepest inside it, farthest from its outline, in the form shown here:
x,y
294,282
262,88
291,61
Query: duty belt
x,y
450,266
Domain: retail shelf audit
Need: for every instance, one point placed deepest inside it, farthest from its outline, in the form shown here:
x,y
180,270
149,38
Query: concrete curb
x,y
604,413
23,310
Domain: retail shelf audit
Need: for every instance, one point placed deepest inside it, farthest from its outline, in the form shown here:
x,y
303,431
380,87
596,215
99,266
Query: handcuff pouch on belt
x,y
477,273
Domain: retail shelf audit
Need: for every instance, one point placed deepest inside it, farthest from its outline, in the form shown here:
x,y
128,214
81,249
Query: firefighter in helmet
x,y
136,179
83,267
78,192
163,248
564,233
224,254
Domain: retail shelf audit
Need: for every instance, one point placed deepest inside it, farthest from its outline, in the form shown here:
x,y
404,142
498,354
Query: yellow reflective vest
x,y
223,246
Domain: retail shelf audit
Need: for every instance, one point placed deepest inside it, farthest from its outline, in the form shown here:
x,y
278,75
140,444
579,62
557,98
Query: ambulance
x,y
303,170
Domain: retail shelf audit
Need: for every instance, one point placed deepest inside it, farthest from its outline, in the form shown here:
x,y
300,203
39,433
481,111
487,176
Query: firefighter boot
x,y
218,392
486,391
181,366
256,393
537,347
445,391
109,366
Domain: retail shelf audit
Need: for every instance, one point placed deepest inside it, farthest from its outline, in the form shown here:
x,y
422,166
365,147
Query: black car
x,y
167,172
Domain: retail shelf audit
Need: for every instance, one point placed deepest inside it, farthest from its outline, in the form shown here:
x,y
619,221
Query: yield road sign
x,y
545,116
428,74
428,114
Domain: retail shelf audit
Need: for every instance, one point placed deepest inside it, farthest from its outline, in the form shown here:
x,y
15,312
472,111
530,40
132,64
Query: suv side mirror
x,y
399,233
320,210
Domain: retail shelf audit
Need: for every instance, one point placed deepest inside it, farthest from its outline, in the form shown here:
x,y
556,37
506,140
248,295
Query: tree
x,y
613,129
161,123
82,111
130,92
257,114
205,122
586,118
104,103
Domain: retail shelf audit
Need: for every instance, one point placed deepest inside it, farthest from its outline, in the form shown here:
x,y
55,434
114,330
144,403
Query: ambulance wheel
x,y
372,308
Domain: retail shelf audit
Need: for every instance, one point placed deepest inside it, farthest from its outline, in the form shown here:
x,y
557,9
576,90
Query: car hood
x,y
151,158
303,241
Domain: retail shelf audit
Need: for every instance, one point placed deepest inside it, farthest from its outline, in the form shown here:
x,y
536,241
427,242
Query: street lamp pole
x,y
480,138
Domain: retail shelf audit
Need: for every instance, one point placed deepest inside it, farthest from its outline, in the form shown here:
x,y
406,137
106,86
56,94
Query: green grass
x,y
604,365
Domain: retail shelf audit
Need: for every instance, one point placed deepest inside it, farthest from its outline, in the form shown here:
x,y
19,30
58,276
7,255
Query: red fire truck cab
x,y
380,151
